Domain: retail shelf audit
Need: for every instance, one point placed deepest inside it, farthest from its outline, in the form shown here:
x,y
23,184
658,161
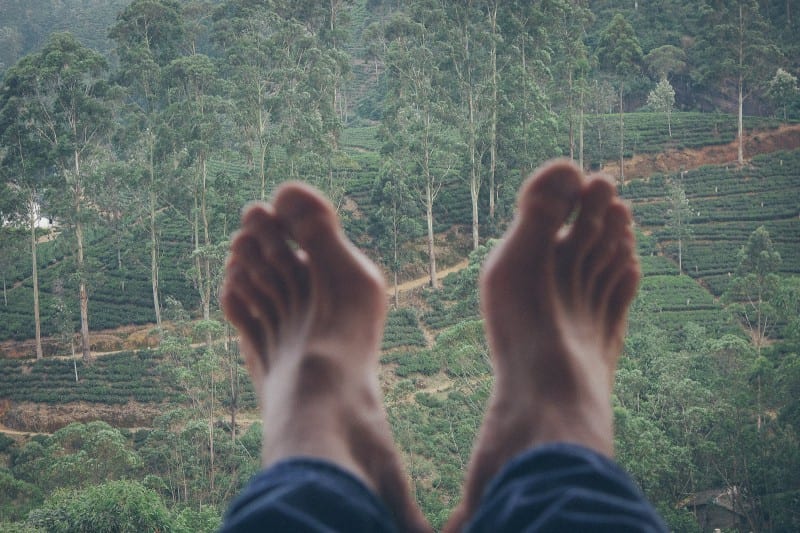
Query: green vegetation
x,y
112,379
188,110
727,204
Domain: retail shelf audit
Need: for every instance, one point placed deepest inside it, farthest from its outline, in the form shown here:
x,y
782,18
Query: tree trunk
x,y
233,374
396,257
669,122
83,294
493,118
570,115
580,134
740,87
429,218
154,259
207,243
37,319
621,139
211,437
740,151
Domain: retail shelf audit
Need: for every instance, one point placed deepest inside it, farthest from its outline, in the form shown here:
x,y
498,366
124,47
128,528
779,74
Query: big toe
x,y
310,219
312,222
547,199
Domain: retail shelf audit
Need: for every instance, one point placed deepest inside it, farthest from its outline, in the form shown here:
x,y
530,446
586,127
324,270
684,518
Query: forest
x,y
132,133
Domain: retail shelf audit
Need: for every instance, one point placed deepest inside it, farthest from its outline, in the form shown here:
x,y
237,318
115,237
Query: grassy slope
x,y
730,204
436,372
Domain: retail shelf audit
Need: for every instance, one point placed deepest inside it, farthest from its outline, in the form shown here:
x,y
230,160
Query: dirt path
x,y
758,142
9,431
425,280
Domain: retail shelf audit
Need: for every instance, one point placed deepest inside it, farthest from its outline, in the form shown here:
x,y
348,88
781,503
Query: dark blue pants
x,y
558,487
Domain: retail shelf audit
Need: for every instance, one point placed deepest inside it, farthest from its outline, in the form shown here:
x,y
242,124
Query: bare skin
x,y
555,298
310,310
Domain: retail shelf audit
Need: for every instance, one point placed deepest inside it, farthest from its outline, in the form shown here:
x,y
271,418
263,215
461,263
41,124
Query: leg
x,y
310,309
555,298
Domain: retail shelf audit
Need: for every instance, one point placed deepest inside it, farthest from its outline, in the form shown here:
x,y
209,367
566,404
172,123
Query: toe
x,y
313,223
613,256
268,277
238,309
546,201
282,271
310,219
585,234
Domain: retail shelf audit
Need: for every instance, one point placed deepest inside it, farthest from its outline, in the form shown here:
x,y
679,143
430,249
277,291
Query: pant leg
x,y
564,487
307,495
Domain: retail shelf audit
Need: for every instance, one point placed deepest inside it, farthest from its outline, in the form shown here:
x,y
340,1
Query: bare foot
x,y
555,298
310,310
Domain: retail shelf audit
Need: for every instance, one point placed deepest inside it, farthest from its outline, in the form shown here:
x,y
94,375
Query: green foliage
x,y
619,50
402,329
19,497
662,98
727,205
221,108
462,350
76,456
112,379
783,92
116,506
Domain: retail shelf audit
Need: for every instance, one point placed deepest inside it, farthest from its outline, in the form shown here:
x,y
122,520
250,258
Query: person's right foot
x,y
310,310
555,298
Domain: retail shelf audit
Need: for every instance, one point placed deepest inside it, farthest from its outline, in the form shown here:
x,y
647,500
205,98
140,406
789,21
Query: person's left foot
x,y
310,310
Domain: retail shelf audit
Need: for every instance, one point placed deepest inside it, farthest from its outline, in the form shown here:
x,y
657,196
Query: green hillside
x,y
144,128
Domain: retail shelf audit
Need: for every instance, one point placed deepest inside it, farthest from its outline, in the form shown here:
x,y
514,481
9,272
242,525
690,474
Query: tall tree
x,y
67,99
25,173
196,116
414,133
782,90
570,23
394,221
662,98
619,53
753,288
678,216
735,51
470,48
148,35
246,33
526,123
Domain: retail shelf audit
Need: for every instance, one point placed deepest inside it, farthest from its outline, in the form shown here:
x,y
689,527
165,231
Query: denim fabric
x,y
557,487
307,495
564,487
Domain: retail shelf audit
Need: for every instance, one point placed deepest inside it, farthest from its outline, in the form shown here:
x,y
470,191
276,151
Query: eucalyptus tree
x,y
665,60
196,116
782,90
620,54
328,20
25,172
394,223
662,98
678,216
570,21
470,48
148,35
735,50
63,95
755,284
246,33
526,122
414,132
